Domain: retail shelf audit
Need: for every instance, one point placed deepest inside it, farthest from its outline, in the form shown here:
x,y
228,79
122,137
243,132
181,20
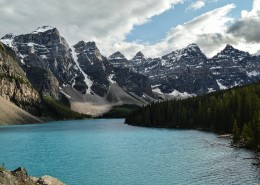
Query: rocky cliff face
x,y
20,176
189,71
14,85
46,50
83,74
53,67
99,73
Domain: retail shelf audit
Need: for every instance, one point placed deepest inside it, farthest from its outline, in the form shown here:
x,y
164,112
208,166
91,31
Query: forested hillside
x,y
235,110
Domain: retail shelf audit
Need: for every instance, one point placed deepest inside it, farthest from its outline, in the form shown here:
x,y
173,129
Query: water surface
x,y
110,152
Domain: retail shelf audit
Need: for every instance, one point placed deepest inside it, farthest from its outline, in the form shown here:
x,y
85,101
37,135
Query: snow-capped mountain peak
x,y
43,29
8,39
229,53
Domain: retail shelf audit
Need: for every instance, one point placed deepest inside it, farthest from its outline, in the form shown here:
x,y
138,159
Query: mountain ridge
x,y
86,77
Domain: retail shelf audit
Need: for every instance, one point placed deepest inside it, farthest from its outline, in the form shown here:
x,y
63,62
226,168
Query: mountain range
x,y
42,63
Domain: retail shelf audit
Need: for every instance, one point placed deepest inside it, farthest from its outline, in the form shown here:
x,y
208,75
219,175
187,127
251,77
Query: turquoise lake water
x,y
108,152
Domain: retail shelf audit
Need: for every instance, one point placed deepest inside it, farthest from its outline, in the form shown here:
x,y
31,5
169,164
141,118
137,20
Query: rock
x,y
15,86
48,180
20,176
188,70
45,49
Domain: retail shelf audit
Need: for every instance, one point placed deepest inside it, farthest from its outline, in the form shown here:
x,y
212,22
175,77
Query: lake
x,y
106,151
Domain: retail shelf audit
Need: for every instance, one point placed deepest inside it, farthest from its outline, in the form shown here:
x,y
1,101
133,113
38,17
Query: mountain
x,y
93,83
80,73
232,67
188,72
12,114
46,53
14,85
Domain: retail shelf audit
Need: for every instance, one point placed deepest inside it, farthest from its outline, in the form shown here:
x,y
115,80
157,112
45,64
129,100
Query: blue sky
x,y
156,28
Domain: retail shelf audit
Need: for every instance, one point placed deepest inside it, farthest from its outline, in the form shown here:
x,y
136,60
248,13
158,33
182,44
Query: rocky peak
x,y
231,50
192,50
8,36
45,50
138,59
139,55
118,60
88,48
231,54
8,39
116,56
44,29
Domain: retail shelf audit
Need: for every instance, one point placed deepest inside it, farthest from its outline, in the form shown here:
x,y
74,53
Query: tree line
x,y
234,111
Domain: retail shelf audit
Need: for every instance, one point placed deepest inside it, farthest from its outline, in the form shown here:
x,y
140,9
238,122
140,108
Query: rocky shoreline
x,y
20,176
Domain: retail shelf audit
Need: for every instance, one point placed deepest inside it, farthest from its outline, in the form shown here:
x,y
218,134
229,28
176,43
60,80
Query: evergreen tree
x,y
235,132
247,135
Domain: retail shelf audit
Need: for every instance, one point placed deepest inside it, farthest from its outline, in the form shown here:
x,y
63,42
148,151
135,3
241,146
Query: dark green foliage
x,y
60,111
247,135
235,132
216,111
120,111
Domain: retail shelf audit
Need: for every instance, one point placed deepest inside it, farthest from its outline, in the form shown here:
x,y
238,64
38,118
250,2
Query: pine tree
x,y
247,135
235,132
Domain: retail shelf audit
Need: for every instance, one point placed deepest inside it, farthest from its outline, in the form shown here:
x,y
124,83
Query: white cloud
x,y
207,30
211,31
103,21
204,30
108,23
197,5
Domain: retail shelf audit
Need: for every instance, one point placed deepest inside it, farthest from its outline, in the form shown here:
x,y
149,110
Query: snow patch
x,y
154,86
176,93
43,56
8,42
252,73
87,79
22,58
220,85
43,29
68,96
110,78
157,90
31,44
210,90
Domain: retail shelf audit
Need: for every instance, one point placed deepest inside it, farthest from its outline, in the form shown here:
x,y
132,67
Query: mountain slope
x,y
93,82
14,85
79,72
11,114
188,71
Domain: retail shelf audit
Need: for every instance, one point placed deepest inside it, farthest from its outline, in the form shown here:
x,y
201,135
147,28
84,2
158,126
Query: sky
x,y
155,27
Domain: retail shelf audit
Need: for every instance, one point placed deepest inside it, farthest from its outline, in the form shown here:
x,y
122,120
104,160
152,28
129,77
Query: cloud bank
x,y
108,23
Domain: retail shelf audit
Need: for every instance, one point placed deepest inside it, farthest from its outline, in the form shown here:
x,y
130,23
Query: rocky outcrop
x,y
20,176
14,85
100,74
83,74
188,71
46,50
